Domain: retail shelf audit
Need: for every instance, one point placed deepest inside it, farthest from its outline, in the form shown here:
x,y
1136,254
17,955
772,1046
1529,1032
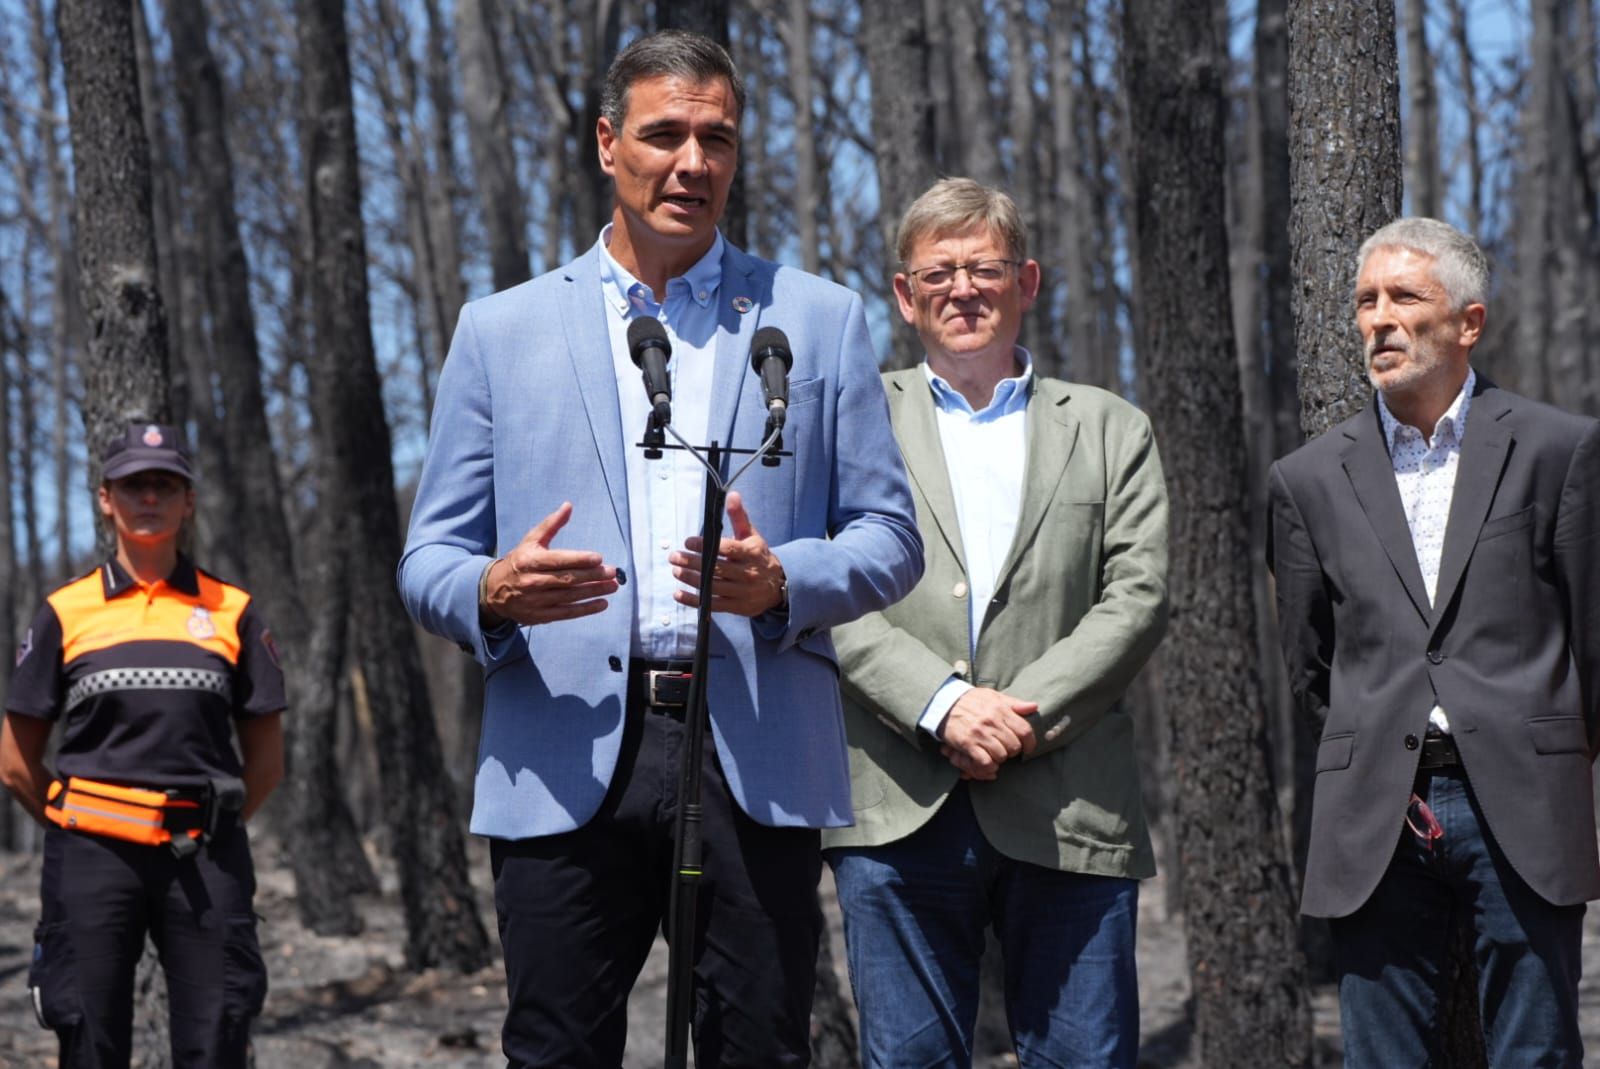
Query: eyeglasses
x,y
1423,824
984,274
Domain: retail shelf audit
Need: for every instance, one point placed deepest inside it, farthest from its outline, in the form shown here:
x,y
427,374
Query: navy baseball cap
x,y
146,447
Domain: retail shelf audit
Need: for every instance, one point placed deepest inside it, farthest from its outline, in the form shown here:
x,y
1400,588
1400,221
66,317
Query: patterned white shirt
x,y
1425,473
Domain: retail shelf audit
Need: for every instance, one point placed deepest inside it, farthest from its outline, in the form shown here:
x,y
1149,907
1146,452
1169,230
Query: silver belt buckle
x,y
653,695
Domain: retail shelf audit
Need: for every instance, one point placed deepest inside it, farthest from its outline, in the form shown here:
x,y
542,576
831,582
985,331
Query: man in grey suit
x,y
1436,561
993,773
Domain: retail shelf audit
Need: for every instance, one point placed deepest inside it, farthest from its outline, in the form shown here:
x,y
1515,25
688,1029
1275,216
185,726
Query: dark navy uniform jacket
x,y
149,679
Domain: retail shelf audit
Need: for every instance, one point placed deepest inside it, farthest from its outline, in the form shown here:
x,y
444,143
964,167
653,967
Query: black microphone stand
x,y
686,841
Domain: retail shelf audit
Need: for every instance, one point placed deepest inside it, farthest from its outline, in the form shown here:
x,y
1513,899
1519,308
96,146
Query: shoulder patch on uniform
x,y
26,647
271,645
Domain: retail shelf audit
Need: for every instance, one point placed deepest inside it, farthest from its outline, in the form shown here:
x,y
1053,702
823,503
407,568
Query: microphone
x,y
771,358
650,349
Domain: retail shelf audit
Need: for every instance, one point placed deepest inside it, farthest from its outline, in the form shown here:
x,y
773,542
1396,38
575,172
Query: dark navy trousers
x,y
100,899
578,913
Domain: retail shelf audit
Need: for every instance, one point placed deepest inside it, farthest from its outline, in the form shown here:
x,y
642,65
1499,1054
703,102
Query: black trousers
x,y
578,913
100,897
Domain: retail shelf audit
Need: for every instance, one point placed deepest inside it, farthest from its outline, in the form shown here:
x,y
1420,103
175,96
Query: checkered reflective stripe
x,y
218,683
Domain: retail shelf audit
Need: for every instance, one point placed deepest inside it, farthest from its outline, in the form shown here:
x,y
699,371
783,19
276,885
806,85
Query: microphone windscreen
x,y
646,333
770,341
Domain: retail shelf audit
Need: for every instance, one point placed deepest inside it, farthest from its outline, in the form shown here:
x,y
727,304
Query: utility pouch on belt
x,y
179,818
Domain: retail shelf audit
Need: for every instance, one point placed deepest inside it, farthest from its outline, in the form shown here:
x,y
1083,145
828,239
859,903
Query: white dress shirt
x,y
1425,473
665,497
985,453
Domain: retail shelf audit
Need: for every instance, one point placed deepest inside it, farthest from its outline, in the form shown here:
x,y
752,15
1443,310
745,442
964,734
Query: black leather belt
x,y
1439,751
663,685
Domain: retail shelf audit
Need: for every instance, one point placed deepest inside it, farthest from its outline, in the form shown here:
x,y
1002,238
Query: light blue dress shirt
x,y
665,497
985,453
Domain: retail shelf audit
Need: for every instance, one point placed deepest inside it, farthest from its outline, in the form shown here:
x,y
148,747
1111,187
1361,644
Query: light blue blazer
x,y
527,417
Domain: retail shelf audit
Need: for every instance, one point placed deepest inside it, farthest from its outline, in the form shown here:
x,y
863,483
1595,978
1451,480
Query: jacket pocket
x,y
802,391
1334,752
1559,734
1502,525
53,978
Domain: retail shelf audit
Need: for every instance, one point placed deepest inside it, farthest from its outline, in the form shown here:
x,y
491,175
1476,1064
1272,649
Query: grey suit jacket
x,y
1509,648
1080,604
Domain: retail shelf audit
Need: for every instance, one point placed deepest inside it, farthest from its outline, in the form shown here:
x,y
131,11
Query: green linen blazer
x,y
1080,604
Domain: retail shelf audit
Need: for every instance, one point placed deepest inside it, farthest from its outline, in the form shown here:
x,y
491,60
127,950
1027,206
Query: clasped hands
x,y
984,729
535,584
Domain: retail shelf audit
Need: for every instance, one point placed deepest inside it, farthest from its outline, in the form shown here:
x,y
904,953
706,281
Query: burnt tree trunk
x,y
324,846
897,51
442,924
1421,128
484,99
125,367
1344,136
1250,997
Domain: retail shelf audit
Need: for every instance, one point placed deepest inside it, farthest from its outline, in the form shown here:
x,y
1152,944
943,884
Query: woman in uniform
x,y
156,670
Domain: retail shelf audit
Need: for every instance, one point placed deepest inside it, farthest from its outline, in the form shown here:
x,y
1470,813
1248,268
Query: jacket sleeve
x,y
1305,611
1577,556
1084,674
452,536
889,670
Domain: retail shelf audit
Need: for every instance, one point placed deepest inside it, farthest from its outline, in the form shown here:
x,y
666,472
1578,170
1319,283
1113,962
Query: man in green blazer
x,y
992,768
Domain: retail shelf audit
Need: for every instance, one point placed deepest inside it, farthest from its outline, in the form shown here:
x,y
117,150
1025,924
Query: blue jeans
x,y
1393,952
915,911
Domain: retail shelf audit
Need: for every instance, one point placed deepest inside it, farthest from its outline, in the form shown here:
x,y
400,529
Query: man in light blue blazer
x,y
543,541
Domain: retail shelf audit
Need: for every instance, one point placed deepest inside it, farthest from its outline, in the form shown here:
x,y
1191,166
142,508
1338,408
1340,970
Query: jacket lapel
x,y
1367,463
588,338
1484,450
1052,435
911,411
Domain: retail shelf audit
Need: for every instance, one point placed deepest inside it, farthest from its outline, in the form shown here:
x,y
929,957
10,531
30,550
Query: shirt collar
x,y
627,295
1010,395
1451,427
115,580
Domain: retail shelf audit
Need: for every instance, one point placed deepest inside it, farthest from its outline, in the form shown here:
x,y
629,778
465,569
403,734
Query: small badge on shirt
x,y
200,623
743,304
272,647
26,647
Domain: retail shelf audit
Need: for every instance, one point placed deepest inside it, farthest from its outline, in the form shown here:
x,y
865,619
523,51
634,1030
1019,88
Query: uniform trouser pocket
x,y
53,979
244,977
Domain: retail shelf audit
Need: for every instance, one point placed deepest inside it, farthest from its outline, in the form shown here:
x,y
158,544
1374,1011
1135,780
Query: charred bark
x,y
442,923
1251,1005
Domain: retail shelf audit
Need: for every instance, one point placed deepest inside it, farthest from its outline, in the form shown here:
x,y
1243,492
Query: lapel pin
x,y
743,304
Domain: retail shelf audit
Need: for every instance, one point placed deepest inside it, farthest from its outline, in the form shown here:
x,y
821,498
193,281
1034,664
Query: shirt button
x,y
959,590
615,663
665,543
1435,657
1411,742
665,621
662,475
960,667
622,577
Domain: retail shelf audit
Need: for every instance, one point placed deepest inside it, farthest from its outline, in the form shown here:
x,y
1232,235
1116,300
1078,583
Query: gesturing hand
x,y
534,584
747,577
984,729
